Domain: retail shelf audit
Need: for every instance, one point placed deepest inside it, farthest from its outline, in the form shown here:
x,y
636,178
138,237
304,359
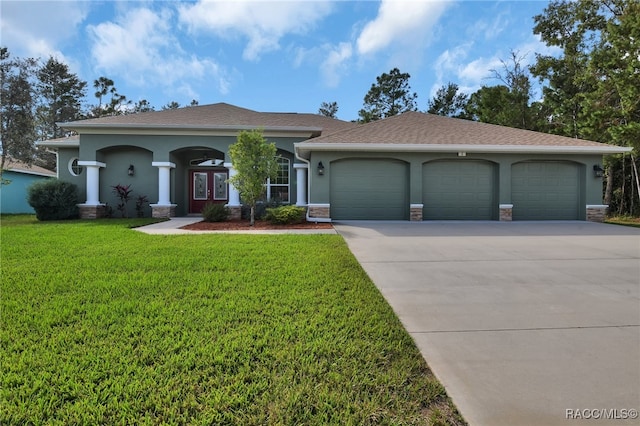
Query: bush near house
x,y
215,212
285,215
53,199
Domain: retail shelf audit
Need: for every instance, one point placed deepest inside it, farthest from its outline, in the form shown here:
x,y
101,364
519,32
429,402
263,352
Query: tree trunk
x,y
635,170
252,220
621,207
609,187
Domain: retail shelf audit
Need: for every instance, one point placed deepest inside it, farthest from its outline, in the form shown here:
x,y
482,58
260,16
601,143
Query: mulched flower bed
x,y
237,225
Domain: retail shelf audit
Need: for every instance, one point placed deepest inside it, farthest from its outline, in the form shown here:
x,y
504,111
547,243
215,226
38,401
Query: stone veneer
x,y
415,212
596,213
319,211
235,212
163,211
92,212
506,212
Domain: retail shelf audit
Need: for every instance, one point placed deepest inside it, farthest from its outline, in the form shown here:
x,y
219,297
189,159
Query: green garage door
x,y
369,189
545,190
459,190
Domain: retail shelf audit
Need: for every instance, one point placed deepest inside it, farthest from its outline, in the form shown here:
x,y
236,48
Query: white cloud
x,y
335,63
404,22
454,65
140,46
36,28
490,29
263,23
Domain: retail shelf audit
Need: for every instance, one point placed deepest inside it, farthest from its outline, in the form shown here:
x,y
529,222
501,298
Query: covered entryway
x,y
207,186
369,189
545,190
459,190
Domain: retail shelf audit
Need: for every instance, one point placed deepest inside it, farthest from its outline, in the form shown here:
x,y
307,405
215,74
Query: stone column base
x,y
506,212
596,213
319,213
92,211
235,212
415,212
163,210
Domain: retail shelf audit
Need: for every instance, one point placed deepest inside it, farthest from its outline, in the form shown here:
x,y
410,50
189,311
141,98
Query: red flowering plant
x,y
123,192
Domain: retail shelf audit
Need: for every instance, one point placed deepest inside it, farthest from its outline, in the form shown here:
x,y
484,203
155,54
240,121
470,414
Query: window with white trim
x,y
278,188
74,168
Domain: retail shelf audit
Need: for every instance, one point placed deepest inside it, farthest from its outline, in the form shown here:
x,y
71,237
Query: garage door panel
x,y
458,190
369,189
545,190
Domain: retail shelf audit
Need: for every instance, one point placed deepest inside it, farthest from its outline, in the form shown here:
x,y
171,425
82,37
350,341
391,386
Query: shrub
x,y
53,199
215,212
286,215
141,201
260,210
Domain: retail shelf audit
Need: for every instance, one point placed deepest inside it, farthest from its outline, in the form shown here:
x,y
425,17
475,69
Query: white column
x,y
234,195
93,181
301,183
164,182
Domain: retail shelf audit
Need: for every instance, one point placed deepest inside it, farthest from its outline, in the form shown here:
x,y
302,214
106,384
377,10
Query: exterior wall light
x,y
598,171
131,171
320,168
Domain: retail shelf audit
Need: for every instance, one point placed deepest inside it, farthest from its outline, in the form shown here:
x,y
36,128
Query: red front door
x,y
207,186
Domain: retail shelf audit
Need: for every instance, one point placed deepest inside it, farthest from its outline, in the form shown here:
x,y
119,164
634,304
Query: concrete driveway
x,y
524,323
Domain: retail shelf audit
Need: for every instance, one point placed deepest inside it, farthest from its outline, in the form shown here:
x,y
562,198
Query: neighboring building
x,y
13,196
412,166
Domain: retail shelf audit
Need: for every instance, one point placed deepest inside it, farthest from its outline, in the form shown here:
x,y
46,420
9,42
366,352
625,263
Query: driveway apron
x,y
524,323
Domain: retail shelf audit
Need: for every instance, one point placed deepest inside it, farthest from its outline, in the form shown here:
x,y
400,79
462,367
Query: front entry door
x,y
207,186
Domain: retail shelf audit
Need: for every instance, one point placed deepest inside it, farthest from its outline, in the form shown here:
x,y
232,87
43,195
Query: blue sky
x,y
287,56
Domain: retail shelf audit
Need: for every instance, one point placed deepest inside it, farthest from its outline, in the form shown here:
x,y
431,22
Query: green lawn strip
x,y
625,221
104,325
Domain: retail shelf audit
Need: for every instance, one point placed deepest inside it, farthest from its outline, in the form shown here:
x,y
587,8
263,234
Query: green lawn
x,y
624,220
105,325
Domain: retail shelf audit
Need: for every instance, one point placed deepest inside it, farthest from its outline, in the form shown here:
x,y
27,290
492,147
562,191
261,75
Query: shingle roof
x,y
20,167
215,116
420,128
426,132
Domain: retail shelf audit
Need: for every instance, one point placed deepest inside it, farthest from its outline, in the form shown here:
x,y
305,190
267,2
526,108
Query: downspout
x,y
309,172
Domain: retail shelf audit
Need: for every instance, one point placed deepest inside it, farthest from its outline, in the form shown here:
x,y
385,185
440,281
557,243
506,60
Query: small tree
x,y
254,160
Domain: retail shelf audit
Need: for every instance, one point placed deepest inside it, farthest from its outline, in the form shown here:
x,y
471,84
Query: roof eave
x,y
30,172
58,144
304,148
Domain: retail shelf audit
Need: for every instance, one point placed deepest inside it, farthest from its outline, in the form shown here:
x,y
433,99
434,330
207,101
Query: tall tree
x,y
490,104
389,96
570,26
612,108
448,101
254,160
61,93
117,104
328,109
142,106
17,105
515,77
171,105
